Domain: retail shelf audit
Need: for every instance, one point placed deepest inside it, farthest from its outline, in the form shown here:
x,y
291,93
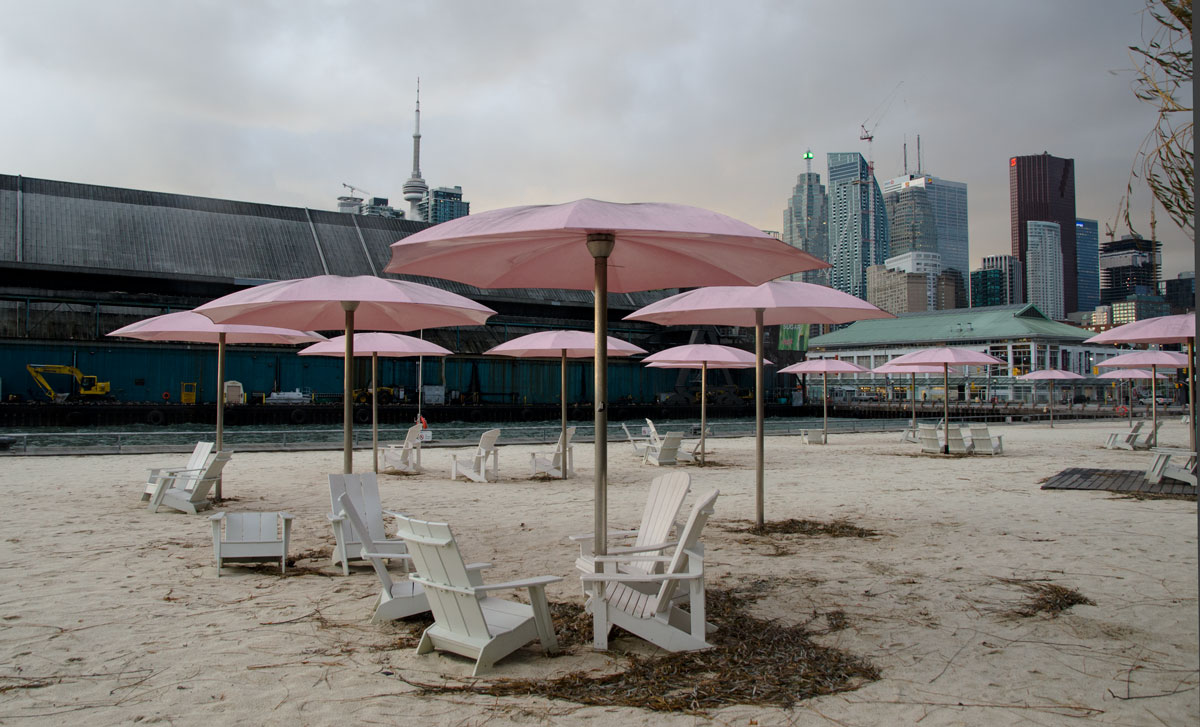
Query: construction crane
x,y
868,135
90,388
355,190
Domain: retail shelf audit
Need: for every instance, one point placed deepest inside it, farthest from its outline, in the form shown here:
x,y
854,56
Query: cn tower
x,y
415,188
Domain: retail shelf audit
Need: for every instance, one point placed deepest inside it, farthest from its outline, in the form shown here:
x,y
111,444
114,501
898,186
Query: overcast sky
x,y
693,101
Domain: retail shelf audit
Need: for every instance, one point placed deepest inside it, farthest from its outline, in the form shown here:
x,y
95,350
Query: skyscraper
x,y
1042,187
1044,268
804,221
1013,275
857,223
443,204
1129,266
928,214
1087,263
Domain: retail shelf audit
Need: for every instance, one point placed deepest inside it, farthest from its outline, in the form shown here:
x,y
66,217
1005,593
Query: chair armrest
x,y
632,559
394,514
640,577
639,549
478,566
524,583
286,515
385,556
217,516
611,534
335,518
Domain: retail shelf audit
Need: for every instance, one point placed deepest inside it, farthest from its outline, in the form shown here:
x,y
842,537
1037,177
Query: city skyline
x,y
709,105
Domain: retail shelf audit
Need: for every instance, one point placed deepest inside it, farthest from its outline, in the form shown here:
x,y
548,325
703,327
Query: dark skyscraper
x,y
1041,188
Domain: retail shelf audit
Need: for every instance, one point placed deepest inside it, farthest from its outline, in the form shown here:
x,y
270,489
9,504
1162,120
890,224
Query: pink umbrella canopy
x,y
947,356
331,302
888,368
1130,374
395,345
1142,359
1050,375
630,247
825,367
1164,329
770,303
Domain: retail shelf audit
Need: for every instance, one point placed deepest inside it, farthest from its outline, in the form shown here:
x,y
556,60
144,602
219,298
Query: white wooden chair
x,y
397,599
467,621
539,464
251,536
652,536
664,452
618,598
404,457
1147,438
474,466
167,494
349,540
652,438
1124,438
984,442
639,443
185,476
813,436
1172,463
956,443
910,434
931,443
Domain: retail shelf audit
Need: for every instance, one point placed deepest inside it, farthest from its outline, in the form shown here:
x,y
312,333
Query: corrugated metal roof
x,y
952,326
112,229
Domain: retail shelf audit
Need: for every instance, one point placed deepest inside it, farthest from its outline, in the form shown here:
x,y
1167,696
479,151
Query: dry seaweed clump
x,y
793,526
1046,598
753,661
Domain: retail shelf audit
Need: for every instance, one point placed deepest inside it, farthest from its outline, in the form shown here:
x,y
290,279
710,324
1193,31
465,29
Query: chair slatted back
x,y
560,449
251,527
666,496
654,439
209,477
363,490
487,442
955,441
346,505
199,459
443,572
928,437
689,543
412,438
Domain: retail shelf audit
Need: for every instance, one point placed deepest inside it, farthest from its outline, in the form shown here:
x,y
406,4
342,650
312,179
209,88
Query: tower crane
x,y
868,135
355,190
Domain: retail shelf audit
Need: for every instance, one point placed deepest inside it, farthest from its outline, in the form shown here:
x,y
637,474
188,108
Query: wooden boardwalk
x,y
1078,478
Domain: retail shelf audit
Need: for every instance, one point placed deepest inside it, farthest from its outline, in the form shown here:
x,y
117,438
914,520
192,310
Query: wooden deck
x,y
1078,478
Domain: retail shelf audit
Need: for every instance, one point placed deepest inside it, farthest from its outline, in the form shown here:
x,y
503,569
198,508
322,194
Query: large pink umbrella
x,y
1050,375
825,367
192,327
768,304
702,356
912,371
947,356
393,345
1164,329
563,344
1153,359
332,302
630,247
1130,375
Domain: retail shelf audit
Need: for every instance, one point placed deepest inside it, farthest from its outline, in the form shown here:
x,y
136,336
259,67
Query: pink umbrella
x,y
1153,359
194,328
768,304
912,371
1130,374
947,357
630,247
825,367
702,356
564,344
331,302
394,345
1050,375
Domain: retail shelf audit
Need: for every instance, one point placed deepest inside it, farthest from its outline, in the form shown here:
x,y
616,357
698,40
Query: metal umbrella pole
x,y
600,245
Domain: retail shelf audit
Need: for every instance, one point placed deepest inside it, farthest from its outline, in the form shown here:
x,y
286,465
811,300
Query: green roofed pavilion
x,y
953,327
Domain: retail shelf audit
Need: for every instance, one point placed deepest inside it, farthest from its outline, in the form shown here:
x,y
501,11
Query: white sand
x,y
112,615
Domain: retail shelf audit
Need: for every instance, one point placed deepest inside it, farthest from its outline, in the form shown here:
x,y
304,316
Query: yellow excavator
x,y
88,389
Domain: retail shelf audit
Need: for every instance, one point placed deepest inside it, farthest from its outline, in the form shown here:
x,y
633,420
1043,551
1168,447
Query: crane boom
x,y
355,190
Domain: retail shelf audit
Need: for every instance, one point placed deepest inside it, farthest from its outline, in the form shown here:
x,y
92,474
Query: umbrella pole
x,y
758,416
347,385
703,406
912,394
1153,406
563,434
1051,403
375,410
825,406
946,405
600,245
220,403
1191,379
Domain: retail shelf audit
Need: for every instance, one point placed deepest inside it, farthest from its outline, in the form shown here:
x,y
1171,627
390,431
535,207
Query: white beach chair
x,y
956,444
564,453
910,434
623,599
1147,438
984,442
397,599
652,536
652,439
251,537
363,491
405,457
1172,463
664,452
639,443
467,621
167,494
1123,438
931,443
185,476
474,466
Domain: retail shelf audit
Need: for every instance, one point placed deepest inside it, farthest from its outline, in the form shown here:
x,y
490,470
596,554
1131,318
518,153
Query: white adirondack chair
x,y
910,434
474,466
251,536
538,463
167,494
639,443
467,621
664,452
349,540
931,443
618,598
1172,463
186,476
1147,438
956,443
405,457
666,496
984,442
652,439
1124,438
397,599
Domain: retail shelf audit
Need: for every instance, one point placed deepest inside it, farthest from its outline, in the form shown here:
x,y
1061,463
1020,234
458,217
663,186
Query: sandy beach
x,y
113,615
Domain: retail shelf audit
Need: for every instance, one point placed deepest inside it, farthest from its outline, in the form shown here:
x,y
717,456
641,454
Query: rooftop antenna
x,y
906,157
919,172
808,157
